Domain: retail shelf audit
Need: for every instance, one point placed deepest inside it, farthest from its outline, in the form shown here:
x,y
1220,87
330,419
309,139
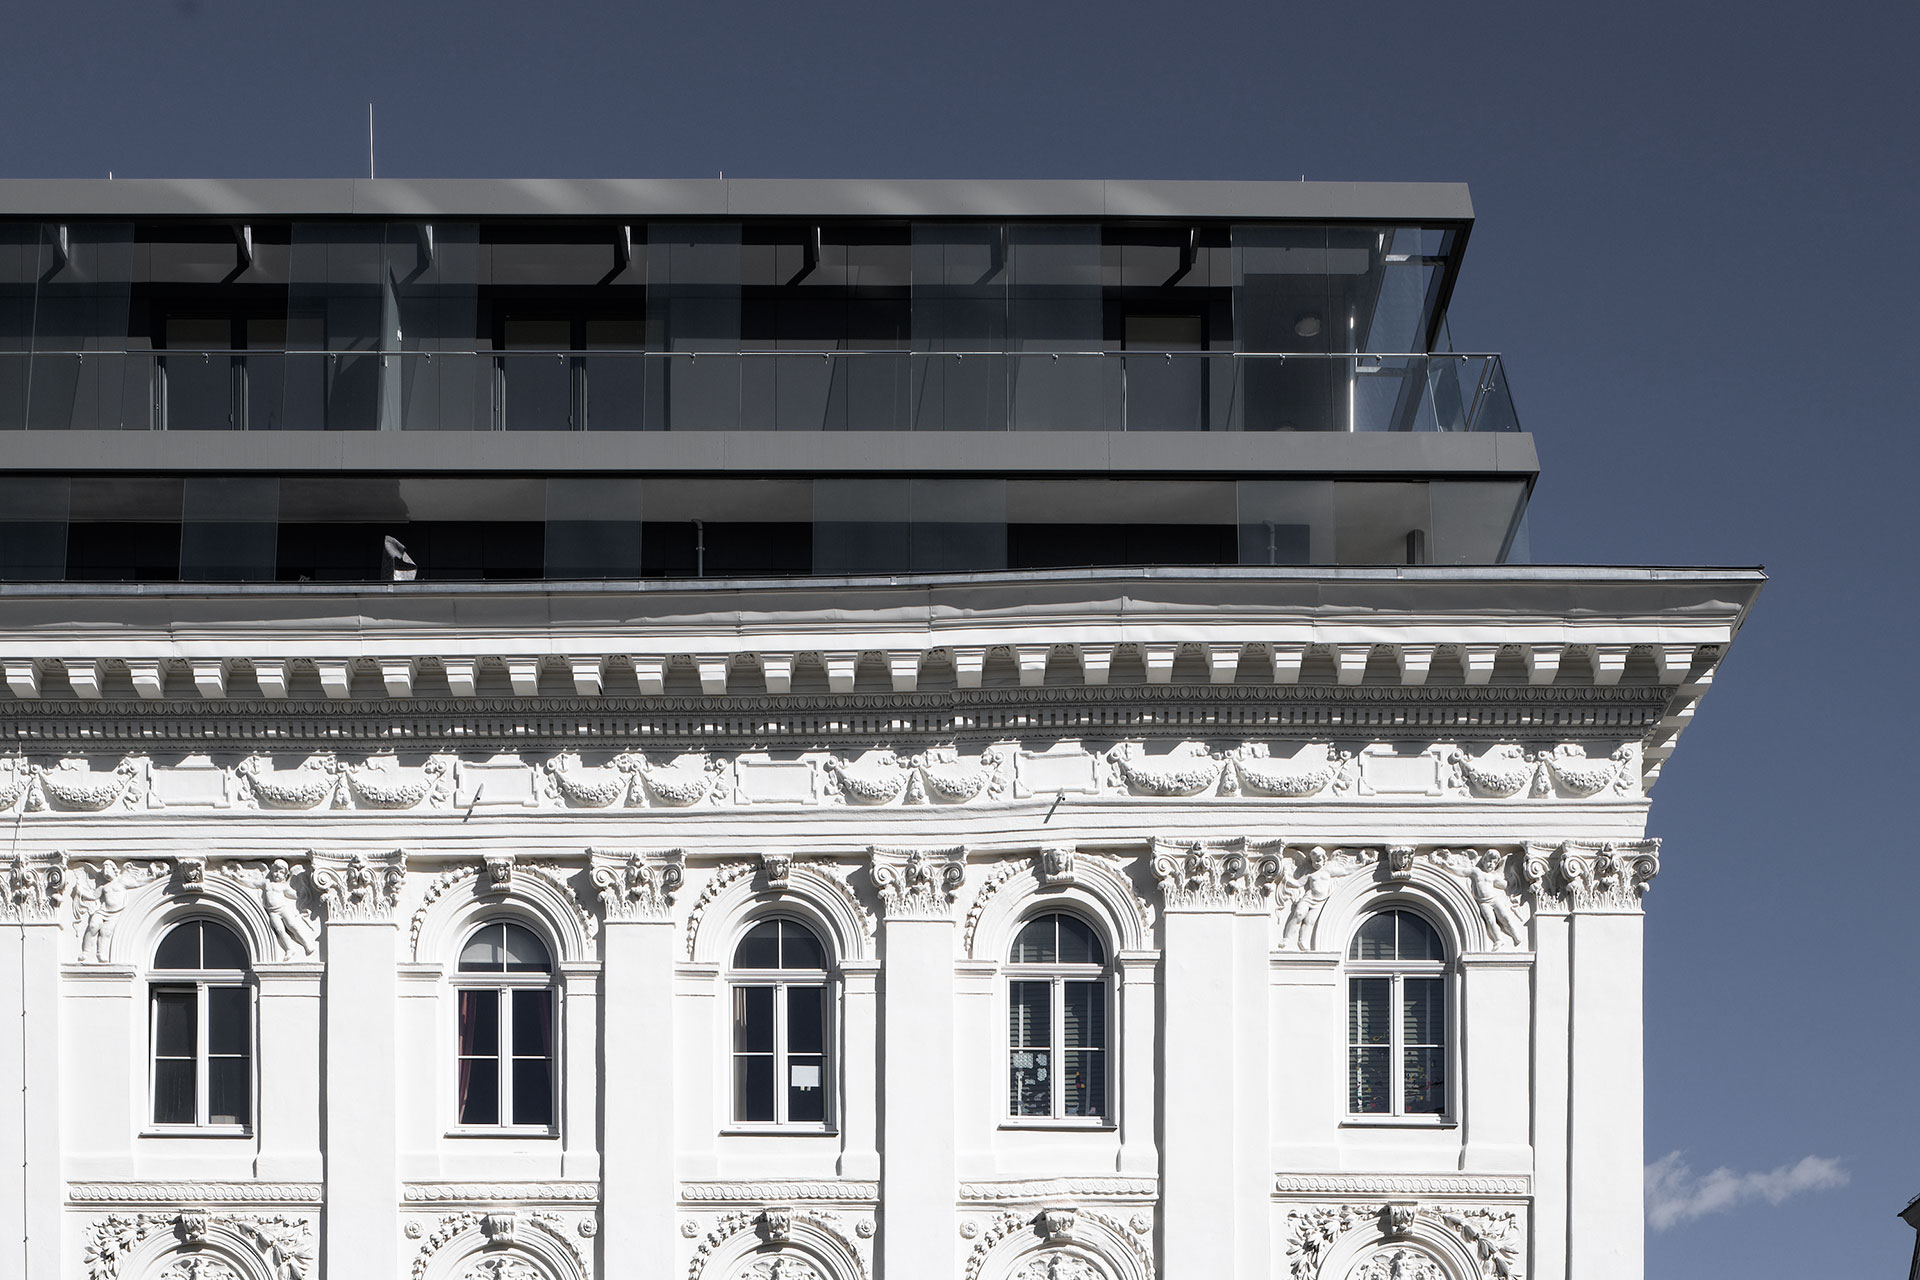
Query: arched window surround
x,y
202,1028
791,1034
1059,1063
507,1028
1401,1018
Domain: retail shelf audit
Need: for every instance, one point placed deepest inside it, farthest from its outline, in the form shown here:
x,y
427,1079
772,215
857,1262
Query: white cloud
x,y
1675,1194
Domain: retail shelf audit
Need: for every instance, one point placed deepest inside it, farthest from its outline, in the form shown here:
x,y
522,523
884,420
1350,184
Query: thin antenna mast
x,y
369,139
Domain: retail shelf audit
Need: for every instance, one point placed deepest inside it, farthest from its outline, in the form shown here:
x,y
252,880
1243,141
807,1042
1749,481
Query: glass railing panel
x,y
960,392
1167,392
754,390
614,391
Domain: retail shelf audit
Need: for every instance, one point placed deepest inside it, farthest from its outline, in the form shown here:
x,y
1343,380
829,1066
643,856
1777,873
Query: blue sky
x,y
1695,247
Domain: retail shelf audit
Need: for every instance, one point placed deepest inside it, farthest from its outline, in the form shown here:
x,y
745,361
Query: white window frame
x,y
1057,975
1397,972
200,982
506,986
780,980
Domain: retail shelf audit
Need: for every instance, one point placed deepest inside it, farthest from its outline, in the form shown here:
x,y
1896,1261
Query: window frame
x,y
781,980
505,986
1057,974
201,982
1397,971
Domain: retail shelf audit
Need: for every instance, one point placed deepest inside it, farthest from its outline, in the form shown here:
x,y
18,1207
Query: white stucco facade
x,y
1223,777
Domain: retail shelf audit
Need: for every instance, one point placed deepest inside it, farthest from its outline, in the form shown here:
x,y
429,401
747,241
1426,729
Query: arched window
x,y
202,1029
504,989
1396,1017
1057,1020
781,1017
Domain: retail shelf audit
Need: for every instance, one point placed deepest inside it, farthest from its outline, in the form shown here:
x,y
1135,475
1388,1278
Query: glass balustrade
x,y
750,391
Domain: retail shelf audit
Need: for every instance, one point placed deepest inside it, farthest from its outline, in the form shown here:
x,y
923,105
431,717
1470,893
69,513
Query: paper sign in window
x,y
805,1076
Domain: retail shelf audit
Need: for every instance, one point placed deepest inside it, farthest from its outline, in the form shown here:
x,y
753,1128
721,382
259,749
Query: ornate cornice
x,y
777,1191
194,1192
1018,1191
1360,1185
499,1192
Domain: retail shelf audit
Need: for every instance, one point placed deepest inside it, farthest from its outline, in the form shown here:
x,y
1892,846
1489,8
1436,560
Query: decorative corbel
x,y
499,871
358,886
635,885
917,884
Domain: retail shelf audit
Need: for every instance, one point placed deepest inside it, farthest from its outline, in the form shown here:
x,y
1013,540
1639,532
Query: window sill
x,y
1069,1124
504,1131
779,1131
198,1131
1399,1122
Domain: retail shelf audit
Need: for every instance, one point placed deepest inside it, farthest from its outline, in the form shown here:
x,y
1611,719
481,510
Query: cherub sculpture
x,y
98,899
1486,874
1308,891
290,925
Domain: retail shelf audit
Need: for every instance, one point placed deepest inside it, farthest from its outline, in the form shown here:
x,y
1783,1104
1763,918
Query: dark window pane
x,y
175,1030
479,1022
806,1088
1036,943
1085,1086
1085,1016
1424,1008
760,949
799,949
1028,1086
1367,1087
229,1084
1375,939
1029,1019
229,1020
533,1024
753,1019
479,1091
1078,942
523,952
484,952
532,1091
1418,939
1425,1081
173,1086
753,1087
1368,1004
219,948
180,949
806,1020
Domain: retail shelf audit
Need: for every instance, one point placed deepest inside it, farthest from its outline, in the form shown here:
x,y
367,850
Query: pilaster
x,y
1210,1224
32,1179
1600,887
637,1064
362,1229
289,1121
918,1182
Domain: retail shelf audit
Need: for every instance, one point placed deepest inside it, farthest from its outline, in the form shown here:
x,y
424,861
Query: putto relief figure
x,y
1486,874
1307,891
291,926
99,897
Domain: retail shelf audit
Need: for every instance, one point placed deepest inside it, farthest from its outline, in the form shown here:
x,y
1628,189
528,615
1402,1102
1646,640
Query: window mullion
x,y
780,1068
203,1057
1056,1055
503,1053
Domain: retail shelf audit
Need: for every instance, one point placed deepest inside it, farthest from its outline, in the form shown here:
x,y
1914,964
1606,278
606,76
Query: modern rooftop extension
x,y
616,323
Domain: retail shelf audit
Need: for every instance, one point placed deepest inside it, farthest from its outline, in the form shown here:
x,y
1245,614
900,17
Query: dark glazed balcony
x,y
751,390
